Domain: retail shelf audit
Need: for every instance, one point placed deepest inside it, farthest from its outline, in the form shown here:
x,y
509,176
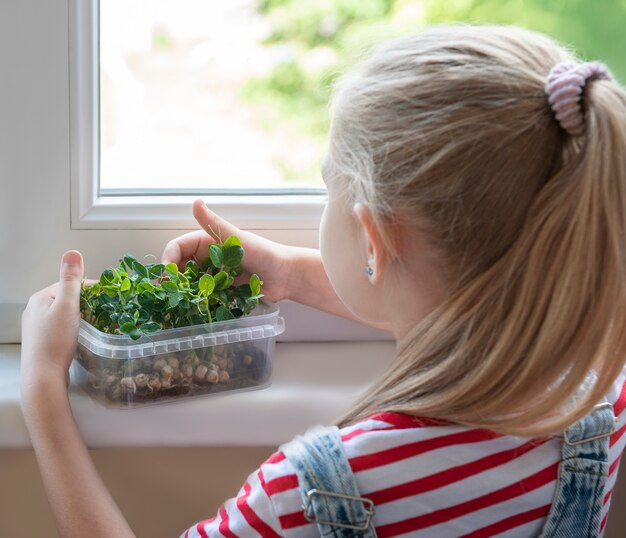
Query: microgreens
x,y
137,299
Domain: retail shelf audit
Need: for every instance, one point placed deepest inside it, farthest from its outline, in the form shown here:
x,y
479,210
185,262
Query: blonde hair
x,y
450,131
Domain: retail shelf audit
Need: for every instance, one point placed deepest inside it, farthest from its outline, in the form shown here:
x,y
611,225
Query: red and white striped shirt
x,y
426,478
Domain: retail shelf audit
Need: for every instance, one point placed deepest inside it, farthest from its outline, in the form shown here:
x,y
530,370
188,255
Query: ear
x,y
375,252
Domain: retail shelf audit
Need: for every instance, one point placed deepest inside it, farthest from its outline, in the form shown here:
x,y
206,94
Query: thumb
x,y
212,223
71,275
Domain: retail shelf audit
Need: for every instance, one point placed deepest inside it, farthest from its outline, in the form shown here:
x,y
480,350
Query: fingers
x,y
185,247
50,291
70,277
193,245
212,223
43,298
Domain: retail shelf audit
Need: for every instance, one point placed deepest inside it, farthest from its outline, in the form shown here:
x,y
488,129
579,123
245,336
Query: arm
x,y
286,271
80,501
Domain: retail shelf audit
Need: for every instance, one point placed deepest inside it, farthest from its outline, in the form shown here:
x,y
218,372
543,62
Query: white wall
x,y
35,155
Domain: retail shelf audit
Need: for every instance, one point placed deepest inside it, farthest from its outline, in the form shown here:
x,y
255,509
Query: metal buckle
x,y
598,406
368,507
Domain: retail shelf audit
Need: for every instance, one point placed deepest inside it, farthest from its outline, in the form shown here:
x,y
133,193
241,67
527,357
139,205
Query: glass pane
x,y
180,109
208,94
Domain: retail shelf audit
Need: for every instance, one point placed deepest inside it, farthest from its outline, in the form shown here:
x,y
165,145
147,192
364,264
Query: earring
x,y
369,270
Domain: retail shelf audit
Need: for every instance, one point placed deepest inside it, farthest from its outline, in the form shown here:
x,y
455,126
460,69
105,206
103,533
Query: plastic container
x,y
176,364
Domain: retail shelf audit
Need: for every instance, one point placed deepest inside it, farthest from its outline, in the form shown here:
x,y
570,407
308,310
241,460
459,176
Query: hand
x,y
50,328
270,260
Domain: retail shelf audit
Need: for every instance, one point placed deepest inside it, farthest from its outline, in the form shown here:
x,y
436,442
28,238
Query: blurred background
x,y
203,94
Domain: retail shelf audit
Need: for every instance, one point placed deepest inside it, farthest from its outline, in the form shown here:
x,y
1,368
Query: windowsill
x,y
312,383
249,212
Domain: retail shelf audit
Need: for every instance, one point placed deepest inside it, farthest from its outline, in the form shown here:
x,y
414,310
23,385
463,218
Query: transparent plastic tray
x,y
175,364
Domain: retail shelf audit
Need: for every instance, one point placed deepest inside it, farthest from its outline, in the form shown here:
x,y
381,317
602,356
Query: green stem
x,y
208,311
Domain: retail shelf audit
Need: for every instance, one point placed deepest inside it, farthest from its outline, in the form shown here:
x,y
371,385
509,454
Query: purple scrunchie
x,y
565,85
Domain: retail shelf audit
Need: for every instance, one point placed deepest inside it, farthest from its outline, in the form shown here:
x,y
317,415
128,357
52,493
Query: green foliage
x,y
137,299
315,22
316,40
593,30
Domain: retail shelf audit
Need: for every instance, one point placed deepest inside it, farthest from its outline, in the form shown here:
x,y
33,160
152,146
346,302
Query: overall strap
x,y
578,501
329,491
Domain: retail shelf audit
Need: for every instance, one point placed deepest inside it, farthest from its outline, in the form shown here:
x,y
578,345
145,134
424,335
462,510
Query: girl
x,y
477,205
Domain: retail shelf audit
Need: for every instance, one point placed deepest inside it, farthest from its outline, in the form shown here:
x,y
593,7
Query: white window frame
x,y
47,172
265,209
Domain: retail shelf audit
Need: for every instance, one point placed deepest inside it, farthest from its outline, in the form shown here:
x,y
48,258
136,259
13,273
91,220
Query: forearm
x,y
308,269
80,501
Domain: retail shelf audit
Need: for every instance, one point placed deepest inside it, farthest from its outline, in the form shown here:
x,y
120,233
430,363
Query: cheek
x,y
324,241
344,264
336,244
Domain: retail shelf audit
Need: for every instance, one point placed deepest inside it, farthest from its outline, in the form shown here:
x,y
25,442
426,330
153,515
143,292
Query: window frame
x,y
44,162
261,209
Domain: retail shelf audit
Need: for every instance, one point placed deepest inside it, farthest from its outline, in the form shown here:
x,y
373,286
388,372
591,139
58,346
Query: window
x,y
228,99
155,123
180,110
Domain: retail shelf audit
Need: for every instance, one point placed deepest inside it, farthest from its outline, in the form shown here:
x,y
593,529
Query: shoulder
x,y
279,481
387,428
375,441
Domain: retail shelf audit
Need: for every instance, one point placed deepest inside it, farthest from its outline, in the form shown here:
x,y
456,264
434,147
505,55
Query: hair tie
x,y
565,85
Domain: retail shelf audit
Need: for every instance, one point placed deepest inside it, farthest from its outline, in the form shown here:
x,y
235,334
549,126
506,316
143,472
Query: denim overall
x,y
332,500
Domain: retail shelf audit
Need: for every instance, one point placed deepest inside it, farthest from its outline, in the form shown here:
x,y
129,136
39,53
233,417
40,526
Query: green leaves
x,y
255,284
172,271
227,255
131,330
169,286
137,299
206,284
109,276
232,241
222,313
151,327
133,265
156,270
215,253
191,269
233,256
222,280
